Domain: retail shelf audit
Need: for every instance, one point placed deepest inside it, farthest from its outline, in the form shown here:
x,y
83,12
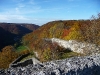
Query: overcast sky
x,y
42,11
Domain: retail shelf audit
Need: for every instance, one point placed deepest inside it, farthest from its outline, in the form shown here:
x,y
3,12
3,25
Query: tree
x,y
91,31
7,55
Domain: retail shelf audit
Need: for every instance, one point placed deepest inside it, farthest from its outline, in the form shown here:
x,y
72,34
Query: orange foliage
x,y
65,32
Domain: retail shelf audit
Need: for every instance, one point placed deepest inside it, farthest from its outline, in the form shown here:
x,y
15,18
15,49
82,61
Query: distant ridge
x,y
11,32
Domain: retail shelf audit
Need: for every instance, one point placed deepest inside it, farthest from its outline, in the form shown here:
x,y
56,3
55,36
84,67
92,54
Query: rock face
x,y
79,47
87,65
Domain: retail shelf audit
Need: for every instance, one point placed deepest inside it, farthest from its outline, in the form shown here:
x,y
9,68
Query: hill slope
x,y
79,30
12,32
18,28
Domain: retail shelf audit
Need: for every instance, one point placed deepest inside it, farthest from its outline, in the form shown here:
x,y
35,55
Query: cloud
x,y
24,19
32,2
17,10
13,17
30,12
27,7
19,17
4,17
21,5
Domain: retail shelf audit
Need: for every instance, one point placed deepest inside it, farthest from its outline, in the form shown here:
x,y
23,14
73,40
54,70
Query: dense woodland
x,y
80,30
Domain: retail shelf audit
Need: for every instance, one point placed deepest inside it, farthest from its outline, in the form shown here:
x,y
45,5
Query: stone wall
x,y
17,62
20,58
22,64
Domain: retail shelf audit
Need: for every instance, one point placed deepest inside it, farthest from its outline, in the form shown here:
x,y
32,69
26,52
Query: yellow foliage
x,y
74,33
47,54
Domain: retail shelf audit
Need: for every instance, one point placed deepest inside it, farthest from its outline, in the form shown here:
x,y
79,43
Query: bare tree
x,y
92,31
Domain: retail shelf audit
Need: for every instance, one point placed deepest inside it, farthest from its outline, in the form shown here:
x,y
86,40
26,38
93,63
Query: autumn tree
x,y
74,32
7,55
91,31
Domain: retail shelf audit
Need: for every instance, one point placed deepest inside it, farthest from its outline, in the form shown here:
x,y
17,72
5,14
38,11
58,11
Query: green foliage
x,y
21,48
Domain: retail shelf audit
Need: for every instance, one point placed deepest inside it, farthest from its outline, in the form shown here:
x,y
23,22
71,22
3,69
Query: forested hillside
x,y
18,28
80,30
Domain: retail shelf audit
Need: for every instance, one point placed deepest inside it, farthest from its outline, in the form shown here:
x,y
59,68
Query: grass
x,y
21,48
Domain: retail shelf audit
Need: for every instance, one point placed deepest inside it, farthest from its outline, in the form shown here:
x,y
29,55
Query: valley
x,y
55,40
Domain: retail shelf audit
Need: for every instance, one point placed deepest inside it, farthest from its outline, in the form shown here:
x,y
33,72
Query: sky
x,y
42,11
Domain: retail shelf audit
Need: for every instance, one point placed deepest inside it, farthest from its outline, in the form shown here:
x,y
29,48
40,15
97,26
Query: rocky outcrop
x,y
87,65
79,47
